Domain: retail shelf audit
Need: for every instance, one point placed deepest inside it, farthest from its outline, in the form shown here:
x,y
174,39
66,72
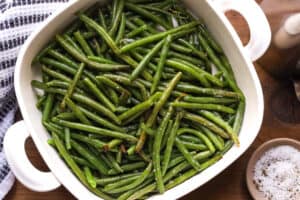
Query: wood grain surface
x,y
281,119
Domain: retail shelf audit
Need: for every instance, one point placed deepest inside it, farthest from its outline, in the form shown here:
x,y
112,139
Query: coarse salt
x,y
277,173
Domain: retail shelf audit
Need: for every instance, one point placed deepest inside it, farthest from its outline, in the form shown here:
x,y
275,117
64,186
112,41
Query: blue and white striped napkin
x,y
18,18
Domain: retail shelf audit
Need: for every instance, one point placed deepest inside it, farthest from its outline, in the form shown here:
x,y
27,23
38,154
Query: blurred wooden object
x,y
280,62
281,119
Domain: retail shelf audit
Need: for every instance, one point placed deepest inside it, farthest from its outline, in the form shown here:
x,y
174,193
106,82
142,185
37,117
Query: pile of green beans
x,y
137,97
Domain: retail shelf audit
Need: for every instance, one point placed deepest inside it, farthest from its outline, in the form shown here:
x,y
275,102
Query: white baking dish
x,y
240,57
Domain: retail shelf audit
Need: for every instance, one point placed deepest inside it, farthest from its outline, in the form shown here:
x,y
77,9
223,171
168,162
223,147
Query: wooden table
x,y
280,120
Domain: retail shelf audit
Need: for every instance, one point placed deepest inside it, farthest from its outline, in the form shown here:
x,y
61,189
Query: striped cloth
x,y
18,18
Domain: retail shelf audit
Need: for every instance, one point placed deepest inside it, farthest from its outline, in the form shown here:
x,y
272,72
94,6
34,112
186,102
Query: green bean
x,y
89,177
72,43
88,140
43,52
144,156
67,138
69,160
131,150
195,51
209,100
139,57
198,106
167,133
88,34
78,113
127,194
100,96
112,144
121,30
130,25
157,108
101,60
146,14
102,19
192,172
207,75
227,65
41,101
202,121
207,91
200,157
159,10
146,60
120,183
219,145
114,163
156,37
93,159
200,135
67,116
115,179
62,58
211,41
193,146
126,81
64,85
128,167
218,64
227,146
100,30
181,49
193,162
55,74
239,117
135,183
137,31
72,86
121,109
83,43
138,21
177,65
119,157
191,139
117,17
95,105
100,120
223,124
161,63
114,85
133,117
156,150
187,58
141,192
175,161
109,41
52,127
170,143
113,96
47,108
148,130
140,107
58,65
96,47
96,130
82,162
82,58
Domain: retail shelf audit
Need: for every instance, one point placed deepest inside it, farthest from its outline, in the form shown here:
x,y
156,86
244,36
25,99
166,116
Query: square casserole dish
x,y
212,12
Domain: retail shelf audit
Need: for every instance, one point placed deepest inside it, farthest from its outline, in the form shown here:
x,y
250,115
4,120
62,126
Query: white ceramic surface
x,y
240,57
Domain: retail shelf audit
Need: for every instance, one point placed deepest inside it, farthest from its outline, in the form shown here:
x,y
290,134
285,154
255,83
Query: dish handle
x,y
26,173
260,32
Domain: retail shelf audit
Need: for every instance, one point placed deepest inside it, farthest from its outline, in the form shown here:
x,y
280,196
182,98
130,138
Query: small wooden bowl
x,y
255,193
